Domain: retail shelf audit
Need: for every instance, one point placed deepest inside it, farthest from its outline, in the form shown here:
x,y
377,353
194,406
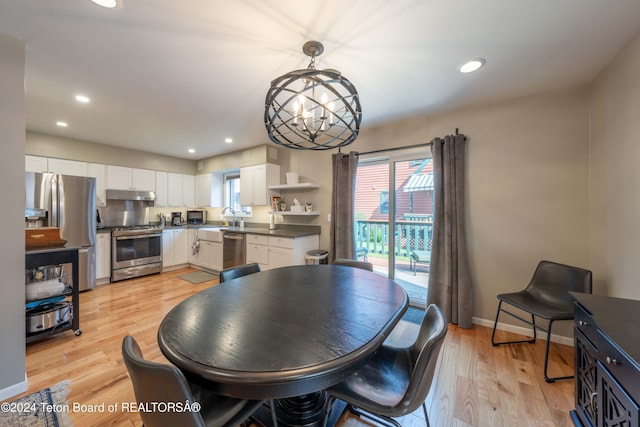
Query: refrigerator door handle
x,y
55,196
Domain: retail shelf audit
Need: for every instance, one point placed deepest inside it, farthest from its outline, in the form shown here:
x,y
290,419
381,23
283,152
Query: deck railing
x,y
374,236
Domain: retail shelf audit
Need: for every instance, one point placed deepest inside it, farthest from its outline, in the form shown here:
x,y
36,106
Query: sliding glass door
x,y
394,220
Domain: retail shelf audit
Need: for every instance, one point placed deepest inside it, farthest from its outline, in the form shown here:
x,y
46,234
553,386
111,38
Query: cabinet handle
x,y
612,361
583,323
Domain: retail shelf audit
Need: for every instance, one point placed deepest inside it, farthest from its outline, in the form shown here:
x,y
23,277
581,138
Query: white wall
x,y
12,261
615,176
527,184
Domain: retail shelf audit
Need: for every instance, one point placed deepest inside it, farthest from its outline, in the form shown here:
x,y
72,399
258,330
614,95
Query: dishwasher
x,y
233,249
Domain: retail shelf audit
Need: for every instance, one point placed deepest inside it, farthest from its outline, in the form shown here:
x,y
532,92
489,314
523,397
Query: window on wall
x,y
232,193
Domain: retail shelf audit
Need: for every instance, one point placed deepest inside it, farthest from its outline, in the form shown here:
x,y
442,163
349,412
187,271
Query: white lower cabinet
x,y
211,255
103,256
180,244
174,247
258,250
273,252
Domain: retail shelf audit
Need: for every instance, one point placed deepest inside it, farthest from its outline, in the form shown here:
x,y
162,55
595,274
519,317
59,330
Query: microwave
x,y
196,217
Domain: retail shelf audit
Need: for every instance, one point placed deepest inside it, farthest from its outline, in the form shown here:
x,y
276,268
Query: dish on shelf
x,y
43,273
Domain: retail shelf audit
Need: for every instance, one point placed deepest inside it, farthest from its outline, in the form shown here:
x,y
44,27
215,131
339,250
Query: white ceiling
x,y
165,76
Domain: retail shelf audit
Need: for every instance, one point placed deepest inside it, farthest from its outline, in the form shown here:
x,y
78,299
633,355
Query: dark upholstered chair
x,y
353,263
397,380
547,297
239,271
156,382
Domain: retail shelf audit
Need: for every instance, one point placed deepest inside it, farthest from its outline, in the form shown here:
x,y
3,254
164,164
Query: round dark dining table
x,y
282,333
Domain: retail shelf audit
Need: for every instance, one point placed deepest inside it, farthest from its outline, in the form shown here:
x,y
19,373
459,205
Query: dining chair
x,y
397,380
155,383
547,297
239,271
353,263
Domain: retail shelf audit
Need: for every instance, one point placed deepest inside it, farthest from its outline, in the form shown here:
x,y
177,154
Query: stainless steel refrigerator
x,y
69,203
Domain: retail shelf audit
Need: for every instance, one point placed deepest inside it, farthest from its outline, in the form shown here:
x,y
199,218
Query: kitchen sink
x,y
210,234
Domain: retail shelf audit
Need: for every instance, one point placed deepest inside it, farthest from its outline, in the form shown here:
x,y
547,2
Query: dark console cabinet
x,y
607,351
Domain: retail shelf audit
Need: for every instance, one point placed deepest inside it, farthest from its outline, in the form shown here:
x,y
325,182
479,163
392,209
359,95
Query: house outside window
x,y
384,202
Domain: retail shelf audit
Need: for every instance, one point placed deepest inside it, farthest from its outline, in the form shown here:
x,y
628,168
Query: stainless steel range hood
x,y
131,195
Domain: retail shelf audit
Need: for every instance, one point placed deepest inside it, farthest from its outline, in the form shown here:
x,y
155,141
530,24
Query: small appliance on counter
x,y
176,218
196,217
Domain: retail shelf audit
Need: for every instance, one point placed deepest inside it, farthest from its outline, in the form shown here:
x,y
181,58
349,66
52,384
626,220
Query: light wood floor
x,y
475,385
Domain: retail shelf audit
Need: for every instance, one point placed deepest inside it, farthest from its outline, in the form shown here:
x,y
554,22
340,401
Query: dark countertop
x,y
617,318
279,232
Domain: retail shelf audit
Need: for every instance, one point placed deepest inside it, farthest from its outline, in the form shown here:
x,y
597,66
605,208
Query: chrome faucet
x,y
233,212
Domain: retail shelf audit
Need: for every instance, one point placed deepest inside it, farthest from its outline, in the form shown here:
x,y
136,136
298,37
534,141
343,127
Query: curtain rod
x,y
384,150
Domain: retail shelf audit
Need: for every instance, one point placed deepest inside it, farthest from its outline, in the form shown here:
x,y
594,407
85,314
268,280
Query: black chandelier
x,y
312,109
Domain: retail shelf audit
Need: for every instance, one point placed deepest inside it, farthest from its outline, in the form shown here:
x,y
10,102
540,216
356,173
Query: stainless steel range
x,y
135,251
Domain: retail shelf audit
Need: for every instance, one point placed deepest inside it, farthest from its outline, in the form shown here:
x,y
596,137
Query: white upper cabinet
x,y
99,172
188,190
174,189
67,167
208,188
255,182
123,178
143,179
161,189
35,164
118,178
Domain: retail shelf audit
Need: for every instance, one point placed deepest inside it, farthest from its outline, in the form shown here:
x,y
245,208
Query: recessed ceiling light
x,y
191,150
471,66
109,4
82,98
228,140
62,124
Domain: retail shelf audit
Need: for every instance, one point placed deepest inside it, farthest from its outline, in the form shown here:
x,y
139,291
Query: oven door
x,y
136,249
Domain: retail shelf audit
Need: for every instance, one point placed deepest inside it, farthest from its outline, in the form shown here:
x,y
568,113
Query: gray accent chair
x,y
397,380
239,271
157,382
547,297
353,263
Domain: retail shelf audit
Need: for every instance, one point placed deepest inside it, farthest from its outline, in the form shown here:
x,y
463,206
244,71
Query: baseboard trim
x,y
14,390
523,331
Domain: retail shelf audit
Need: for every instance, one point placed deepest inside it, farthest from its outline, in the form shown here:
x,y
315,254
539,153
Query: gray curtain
x,y
342,239
449,278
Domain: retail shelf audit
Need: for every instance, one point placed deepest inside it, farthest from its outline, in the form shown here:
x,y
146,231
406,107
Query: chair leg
x,y
380,419
546,360
274,417
426,416
495,324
